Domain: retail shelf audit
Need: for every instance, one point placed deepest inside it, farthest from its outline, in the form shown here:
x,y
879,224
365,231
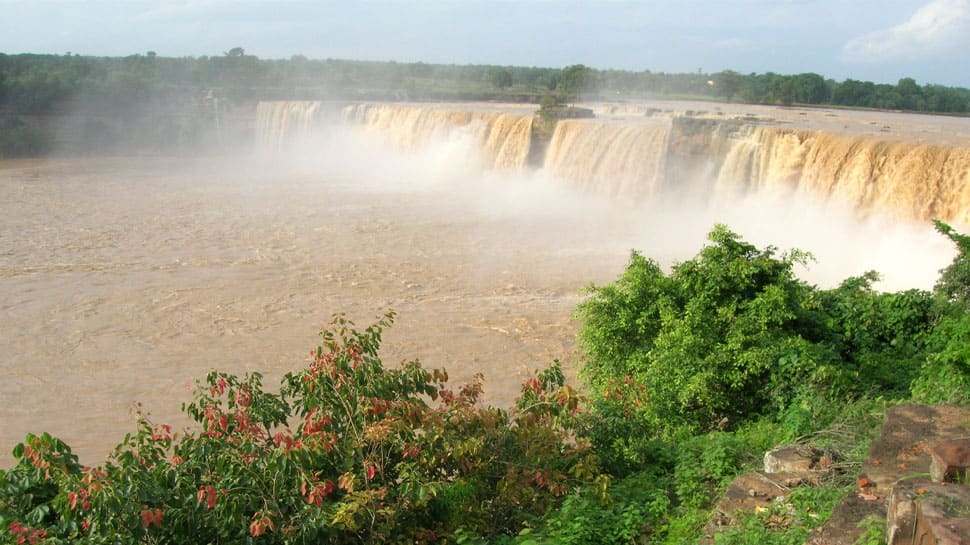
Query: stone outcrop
x,y
914,479
923,511
792,459
918,509
949,460
784,468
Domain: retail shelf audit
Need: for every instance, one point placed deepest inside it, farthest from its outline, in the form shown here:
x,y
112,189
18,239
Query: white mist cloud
x,y
670,228
940,25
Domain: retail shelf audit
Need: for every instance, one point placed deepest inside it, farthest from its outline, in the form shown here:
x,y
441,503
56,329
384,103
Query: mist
x,y
670,227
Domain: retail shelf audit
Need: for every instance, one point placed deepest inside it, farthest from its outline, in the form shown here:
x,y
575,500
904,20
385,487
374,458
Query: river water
x,y
124,280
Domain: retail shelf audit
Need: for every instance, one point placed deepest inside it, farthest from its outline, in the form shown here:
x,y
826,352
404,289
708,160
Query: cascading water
x,y
618,160
917,181
503,139
279,121
639,158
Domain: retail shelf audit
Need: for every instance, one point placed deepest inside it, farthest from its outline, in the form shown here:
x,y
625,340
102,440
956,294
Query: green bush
x,y
726,336
347,451
945,375
634,507
732,335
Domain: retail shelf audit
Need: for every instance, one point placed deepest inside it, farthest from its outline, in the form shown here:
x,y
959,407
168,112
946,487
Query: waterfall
x,y
639,158
917,181
503,138
619,160
277,122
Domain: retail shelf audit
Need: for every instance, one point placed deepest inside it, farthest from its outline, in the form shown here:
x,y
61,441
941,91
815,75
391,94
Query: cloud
x,y
939,26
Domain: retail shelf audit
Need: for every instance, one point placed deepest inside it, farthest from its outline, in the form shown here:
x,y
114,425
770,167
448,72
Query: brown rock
x,y
949,460
928,513
906,432
843,527
746,493
791,459
901,513
901,451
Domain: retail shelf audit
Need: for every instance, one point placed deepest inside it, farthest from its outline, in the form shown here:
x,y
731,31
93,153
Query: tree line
x,y
38,84
124,90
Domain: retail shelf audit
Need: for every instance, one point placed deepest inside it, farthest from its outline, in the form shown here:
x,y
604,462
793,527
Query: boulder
x,y
791,459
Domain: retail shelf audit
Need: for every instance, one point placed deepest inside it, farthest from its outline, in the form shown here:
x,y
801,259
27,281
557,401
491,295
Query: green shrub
x,y
945,374
726,336
634,507
732,335
347,451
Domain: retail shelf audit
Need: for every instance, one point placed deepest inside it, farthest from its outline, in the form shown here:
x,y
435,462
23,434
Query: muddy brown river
x,y
125,280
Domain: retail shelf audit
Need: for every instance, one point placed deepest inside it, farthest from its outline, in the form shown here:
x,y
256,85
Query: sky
x,y
875,40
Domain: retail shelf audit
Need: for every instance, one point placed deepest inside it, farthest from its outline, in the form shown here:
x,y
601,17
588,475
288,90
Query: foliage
x,y
574,80
634,507
731,339
733,334
953,285
34,84
726,336
347,451
500,78
141,91
945,374
874,531
870,328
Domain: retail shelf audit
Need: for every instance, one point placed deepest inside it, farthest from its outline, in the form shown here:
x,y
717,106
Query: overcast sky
x,y
878,40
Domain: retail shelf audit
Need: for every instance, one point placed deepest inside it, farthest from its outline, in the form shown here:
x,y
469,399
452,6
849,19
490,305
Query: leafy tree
x,y
811,88
783,89
869,328
732,335
953,285
911,96
727,84
945,374
727,335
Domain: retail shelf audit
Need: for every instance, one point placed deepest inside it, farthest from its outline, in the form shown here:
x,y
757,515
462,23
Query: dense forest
x,y
690,376
205,90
